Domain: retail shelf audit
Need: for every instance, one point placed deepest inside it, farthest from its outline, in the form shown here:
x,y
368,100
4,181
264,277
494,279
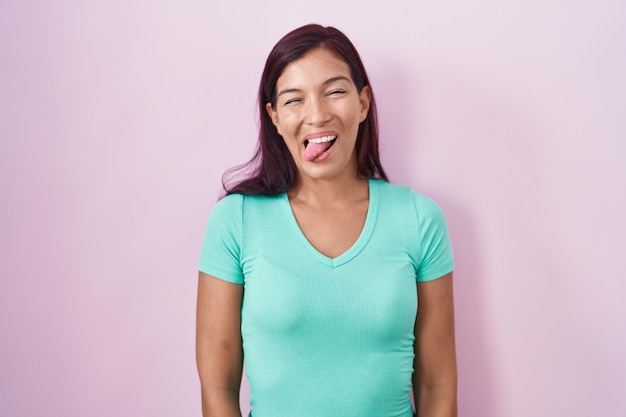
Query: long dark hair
x,y
271,170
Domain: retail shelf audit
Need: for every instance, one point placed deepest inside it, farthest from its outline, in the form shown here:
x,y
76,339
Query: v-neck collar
x,y
357,246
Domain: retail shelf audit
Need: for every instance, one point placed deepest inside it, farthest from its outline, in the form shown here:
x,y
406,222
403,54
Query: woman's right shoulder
x,y
230,200
227,207
234,203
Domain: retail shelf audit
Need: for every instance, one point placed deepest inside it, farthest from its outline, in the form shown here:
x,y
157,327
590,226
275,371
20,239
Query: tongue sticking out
x,y
313,150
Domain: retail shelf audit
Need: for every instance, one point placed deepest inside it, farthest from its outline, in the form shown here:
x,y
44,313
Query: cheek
x,y
287,127
289,119
355,117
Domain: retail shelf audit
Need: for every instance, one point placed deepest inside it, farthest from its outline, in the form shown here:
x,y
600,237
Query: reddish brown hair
x,y
271,170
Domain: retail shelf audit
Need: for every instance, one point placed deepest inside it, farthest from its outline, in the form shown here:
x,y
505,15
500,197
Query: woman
x,y
311,267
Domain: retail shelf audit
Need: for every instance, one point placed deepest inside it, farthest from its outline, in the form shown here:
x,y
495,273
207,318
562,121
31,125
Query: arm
x,y
435,376
219,353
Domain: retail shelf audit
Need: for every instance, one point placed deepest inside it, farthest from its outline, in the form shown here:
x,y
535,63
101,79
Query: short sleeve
x,y
220,253
436,257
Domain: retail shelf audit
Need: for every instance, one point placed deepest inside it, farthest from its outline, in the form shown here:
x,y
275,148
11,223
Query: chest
x,y
366,295
331,231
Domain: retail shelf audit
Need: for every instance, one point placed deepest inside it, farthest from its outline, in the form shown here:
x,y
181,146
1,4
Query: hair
x,y
272,171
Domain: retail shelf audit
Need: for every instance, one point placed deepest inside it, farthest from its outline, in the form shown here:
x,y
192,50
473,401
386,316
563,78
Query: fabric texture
x,y
328,337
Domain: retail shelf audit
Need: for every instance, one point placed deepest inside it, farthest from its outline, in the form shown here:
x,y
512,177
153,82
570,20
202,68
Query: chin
x,y
324,173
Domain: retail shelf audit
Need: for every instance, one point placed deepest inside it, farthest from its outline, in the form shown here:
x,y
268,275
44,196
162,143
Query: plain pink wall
x,y
118,118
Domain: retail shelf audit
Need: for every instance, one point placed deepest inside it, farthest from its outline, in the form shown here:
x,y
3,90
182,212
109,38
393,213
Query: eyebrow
x,y
328,81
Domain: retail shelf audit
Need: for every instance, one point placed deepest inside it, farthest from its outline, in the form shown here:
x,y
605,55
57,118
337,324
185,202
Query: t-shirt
x,y
328,337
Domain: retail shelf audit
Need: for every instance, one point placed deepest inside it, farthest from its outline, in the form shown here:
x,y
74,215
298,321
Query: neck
x,y
329,192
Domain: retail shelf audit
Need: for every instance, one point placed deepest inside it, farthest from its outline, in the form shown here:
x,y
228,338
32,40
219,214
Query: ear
x,y
365,98
273,115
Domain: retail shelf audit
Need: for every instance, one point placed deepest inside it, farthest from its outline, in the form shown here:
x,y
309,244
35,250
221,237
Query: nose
x,y
317,112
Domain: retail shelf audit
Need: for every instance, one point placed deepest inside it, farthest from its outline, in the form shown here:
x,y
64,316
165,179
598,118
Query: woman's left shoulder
x,y
402,194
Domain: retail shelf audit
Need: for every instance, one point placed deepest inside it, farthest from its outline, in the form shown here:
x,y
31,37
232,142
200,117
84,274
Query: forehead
x,y
317,66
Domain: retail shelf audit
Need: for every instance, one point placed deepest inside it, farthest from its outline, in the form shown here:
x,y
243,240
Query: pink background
x,y
118,118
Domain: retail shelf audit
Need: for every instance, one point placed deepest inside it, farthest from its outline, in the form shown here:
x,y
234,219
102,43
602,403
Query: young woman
x,y
312,266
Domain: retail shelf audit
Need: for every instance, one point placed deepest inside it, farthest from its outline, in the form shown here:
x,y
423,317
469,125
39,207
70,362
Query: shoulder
x,y
239,206
227,207
392,193
236,201
406,197
229,201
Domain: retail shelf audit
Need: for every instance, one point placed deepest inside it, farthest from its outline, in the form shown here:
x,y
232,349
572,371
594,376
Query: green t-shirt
x,y
328,337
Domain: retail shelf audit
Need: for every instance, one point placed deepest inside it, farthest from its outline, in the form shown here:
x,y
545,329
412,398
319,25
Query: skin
x,y
435,375
219,354
316,96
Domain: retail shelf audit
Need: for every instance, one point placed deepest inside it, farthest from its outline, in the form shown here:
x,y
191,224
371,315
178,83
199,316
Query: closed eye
x,y
336,92
292,101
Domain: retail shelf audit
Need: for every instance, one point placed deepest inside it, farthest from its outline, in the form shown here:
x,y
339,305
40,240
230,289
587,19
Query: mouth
x,y
322,139
315,147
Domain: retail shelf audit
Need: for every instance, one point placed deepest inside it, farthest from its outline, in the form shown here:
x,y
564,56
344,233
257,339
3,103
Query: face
x,y
317,112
